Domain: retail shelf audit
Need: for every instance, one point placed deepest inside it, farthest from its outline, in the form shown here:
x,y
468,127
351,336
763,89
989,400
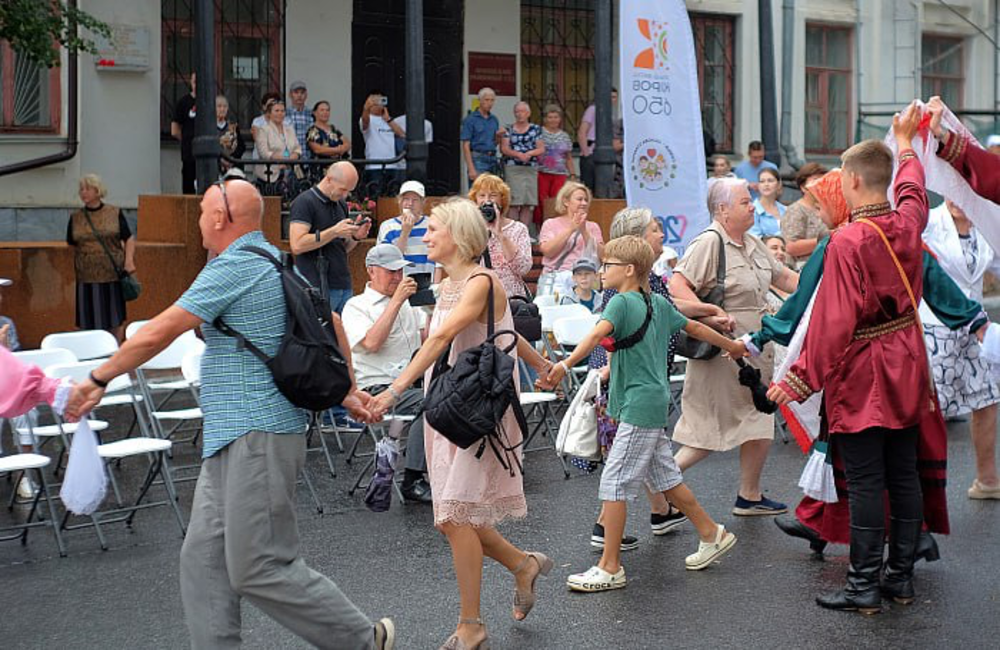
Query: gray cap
x,y
297,85
387,256
585,264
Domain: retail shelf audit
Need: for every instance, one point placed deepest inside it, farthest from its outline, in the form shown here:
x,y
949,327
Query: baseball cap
x,y
387,256
993,140
297,85
6,282
584,264
412,186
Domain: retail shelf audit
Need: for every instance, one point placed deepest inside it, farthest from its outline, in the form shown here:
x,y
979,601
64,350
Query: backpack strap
x,y
243,342
490,309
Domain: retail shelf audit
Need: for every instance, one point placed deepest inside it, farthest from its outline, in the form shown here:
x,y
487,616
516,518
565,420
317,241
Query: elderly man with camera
x,y
384,330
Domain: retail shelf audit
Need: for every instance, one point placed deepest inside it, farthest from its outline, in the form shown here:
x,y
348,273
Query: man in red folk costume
x,y
979,167
871,360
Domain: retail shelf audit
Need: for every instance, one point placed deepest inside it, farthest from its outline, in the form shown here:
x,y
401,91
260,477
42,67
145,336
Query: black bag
x,y
131,288
466,402
308,369
526,315
691,347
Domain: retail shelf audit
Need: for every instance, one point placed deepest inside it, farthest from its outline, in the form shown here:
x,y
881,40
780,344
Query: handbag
x,y
466,401
578,429
688,346
526,315
131,288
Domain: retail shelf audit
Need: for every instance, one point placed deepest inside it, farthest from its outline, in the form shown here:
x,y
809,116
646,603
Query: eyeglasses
x,y
604,267
233,174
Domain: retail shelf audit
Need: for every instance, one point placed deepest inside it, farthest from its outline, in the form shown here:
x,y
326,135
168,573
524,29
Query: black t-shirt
x,y
319,213
184,115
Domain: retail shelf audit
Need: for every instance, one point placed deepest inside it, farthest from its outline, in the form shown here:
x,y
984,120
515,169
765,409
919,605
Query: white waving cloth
x,y
942,178
85,483
802,417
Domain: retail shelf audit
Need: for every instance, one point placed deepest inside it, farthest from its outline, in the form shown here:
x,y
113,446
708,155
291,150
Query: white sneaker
x,y
709,552
26,490
596,579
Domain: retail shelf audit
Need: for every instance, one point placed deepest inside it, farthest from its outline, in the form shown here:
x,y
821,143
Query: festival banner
x,y
664,155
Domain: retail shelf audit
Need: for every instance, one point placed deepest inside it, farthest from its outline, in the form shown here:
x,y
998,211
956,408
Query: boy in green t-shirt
x,y
639,398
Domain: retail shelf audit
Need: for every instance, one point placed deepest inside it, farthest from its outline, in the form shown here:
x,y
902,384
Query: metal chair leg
x,y
53,519
312,491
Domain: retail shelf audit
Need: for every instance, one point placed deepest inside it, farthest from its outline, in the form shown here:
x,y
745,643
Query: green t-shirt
x,y
639,391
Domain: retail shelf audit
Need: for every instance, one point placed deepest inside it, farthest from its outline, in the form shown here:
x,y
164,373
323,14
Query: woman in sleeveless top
x,y
100,304
470,495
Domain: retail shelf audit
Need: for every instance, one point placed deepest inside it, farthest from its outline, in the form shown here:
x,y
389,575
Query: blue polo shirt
x,y
764,224
751,174
480,132
238,394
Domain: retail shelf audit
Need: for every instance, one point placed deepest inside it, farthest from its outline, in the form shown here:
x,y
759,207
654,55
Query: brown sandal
x,y
455,643
523,603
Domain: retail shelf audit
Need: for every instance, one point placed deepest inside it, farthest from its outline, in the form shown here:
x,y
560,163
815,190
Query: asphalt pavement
x,y
395,564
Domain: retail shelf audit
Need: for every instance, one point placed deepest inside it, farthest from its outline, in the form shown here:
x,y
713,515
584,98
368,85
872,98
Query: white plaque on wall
x,y
126,51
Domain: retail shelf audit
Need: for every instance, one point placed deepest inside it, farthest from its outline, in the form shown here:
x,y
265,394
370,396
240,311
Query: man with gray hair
x,y
479,137
384,331
243,540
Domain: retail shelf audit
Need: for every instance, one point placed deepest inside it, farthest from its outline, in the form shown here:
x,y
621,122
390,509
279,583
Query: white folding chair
x,y
171,359
568,331
540,403
21,464
547,300
85,344
154,449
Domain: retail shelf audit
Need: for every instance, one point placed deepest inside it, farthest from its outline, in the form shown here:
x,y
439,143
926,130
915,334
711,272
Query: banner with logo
x,y
664,155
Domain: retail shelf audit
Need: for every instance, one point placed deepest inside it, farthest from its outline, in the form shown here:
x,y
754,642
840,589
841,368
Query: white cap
x,y
413,186
669,253
993,141
5,282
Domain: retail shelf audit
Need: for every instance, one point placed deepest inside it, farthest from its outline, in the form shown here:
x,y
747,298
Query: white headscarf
x,y
941,237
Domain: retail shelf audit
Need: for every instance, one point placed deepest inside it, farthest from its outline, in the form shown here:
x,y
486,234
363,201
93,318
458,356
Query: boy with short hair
x,y
584,281
639,397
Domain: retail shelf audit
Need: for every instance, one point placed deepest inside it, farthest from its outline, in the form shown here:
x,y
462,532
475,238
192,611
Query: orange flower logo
x,y
654,56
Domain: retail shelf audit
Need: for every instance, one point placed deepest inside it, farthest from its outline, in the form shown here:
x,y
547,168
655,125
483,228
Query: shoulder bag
x,y
691,347
526,315
131,289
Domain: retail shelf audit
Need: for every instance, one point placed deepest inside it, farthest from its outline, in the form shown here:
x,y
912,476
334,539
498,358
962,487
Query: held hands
x,y
360,406
904,125
550,381
82,399
737,350
381,404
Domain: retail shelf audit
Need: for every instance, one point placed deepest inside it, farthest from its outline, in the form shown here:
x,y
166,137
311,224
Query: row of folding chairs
x,y
73,355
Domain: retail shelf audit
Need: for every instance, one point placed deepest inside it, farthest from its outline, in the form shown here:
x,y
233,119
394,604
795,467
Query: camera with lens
x,y
489,211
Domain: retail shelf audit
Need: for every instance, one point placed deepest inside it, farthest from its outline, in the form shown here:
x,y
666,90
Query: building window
x,y
247,54
942,68
714,44
29,94
828,88
557,58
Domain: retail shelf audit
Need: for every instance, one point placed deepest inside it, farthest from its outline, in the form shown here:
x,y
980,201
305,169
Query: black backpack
x,y
308,369
466,402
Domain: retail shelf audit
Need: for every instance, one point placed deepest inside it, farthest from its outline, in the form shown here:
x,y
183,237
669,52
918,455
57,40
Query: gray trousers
x,y
408,403
243,542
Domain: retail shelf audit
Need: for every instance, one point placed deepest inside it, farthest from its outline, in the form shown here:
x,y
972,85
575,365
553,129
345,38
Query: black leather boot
x,y
897,583
862,591
927,548
795,528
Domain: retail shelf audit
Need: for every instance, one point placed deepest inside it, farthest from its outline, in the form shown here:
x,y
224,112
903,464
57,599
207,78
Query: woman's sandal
x,y
523,603
456,643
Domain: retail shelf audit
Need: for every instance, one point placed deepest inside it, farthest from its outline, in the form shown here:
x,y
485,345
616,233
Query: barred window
x,y
29,94
714,42
247,52
828,88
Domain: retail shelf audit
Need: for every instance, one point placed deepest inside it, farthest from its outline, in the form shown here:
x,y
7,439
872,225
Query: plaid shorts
x,y
638,456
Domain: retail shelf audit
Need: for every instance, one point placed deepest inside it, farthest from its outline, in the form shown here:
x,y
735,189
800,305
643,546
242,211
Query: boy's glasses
x,y
605,265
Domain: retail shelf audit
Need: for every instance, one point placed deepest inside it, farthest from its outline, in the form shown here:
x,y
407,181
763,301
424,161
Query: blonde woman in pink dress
x,y
471,495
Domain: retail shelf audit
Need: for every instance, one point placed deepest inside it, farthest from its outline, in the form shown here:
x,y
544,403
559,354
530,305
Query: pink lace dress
x,y
468,490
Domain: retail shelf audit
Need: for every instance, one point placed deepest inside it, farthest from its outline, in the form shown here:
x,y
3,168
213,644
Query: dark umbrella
x,y
378,496
750,377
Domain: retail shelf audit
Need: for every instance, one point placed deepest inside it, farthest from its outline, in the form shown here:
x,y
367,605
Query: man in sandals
x,y
870,359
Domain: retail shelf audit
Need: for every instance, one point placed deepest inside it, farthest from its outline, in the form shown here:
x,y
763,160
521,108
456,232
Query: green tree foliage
x,y
32,27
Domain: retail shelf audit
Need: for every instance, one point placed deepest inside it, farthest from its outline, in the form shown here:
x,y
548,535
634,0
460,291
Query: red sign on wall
x,y
498,71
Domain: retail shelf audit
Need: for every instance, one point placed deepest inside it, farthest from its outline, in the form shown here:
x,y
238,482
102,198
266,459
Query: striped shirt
x,y
238,394
416,249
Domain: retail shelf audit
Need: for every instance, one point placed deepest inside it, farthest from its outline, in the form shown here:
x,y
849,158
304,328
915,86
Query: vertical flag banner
x,y
664,156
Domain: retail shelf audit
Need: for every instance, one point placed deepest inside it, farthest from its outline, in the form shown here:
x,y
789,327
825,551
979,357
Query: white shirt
x,y
380,140
428,136
382,367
